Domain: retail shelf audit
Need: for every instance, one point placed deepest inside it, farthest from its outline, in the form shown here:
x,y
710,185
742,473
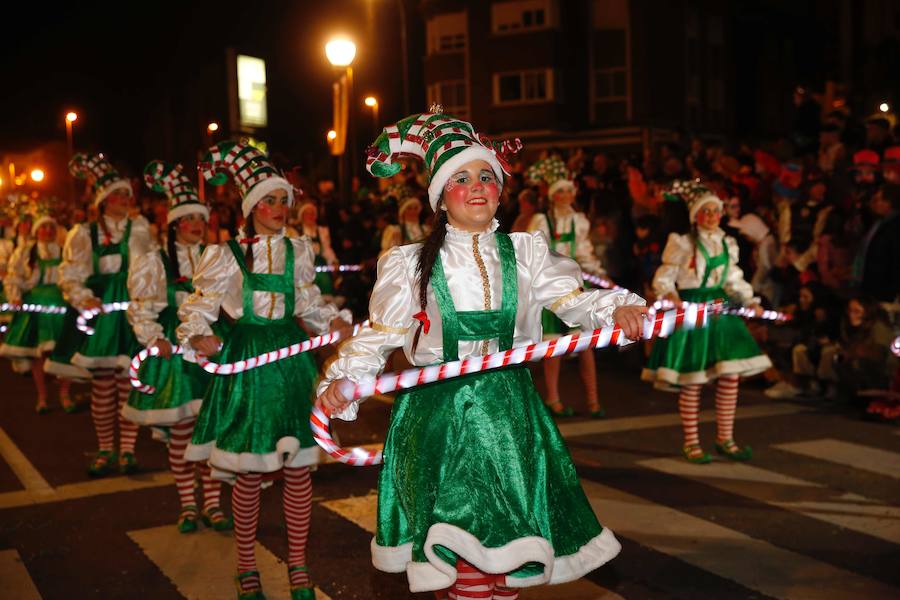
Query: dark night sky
x,y
121,64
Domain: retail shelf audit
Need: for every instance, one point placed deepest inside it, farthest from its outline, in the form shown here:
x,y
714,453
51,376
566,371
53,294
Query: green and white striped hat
x,y
102,176
443,142
169,179
251,170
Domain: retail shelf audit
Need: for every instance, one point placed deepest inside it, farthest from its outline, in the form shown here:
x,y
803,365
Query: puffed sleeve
x,y
539,223
558,286
308,303
76,267
390,318
6,250
676,253
141,241
327,251
147,293
735,285
390,237
584,250
215,274
16,280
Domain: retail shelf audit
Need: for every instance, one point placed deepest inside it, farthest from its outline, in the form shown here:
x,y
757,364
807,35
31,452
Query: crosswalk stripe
x,y
725,552
17,582
857,456
86,489
194,563
30,477
361,510
670,419
815,501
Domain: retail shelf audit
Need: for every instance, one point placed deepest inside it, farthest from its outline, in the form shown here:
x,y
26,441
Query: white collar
x,y
454,234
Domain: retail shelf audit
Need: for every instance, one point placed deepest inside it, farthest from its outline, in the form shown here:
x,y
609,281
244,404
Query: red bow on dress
x,y
423,318
252,240
181,279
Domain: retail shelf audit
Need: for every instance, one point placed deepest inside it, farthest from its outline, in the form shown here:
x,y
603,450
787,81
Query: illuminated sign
x,y
251,75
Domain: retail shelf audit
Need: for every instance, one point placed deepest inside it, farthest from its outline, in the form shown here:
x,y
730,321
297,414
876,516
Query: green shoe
x,y
696,455
127,463
102,464
600,413
565,412
255,594
187,520
216,519
68,405
732,451
304,592
42,409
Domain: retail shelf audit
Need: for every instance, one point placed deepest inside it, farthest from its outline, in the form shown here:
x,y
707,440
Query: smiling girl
x,y
477,493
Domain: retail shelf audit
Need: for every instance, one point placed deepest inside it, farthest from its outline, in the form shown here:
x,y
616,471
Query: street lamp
x,y
341,51
212,128
71,117
884,107
332,134
372,102
37,175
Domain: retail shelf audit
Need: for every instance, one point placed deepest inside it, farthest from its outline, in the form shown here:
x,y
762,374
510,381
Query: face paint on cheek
x,y
492,190
456,193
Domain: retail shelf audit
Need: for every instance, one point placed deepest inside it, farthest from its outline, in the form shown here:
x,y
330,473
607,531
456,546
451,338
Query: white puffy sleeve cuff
x,y
147,297
15,282
76,267
215,273
735,285
308,304
390,319
676,253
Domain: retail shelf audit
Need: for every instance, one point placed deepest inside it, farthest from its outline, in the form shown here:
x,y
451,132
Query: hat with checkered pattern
x,y
102,176
169,179
251,170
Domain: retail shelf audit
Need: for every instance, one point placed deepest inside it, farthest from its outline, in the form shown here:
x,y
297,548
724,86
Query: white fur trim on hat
x,y
702,200
262,188
407,203
453,164
40,221
560,184
118,185
306,206
187,208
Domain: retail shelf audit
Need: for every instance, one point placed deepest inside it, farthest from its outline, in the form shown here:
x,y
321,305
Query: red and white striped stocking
x,y
726,406
212,488
128,431
471,583
689,408
179,437
297,500
245,506
501,592
103,407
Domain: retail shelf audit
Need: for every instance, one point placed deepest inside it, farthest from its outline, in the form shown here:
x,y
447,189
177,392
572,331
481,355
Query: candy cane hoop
x,y
338,268
81,323
235,367
44,309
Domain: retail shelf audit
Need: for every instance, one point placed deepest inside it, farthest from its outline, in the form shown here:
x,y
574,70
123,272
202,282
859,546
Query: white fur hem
x,y
187,208
437,574
162,417
101,362
288,453
473,152
64,371
561,184
264,187
745,367
10,351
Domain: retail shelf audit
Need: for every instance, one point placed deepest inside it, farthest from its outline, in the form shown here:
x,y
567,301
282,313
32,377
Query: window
x,y
525,15
523,87
451,95
610,77
447,33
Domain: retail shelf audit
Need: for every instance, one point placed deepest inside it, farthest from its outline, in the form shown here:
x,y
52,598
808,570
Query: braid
x,y
249,233
428,254
171,250
33,256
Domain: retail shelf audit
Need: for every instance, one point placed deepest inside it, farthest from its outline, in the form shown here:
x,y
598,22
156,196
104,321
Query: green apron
x,y
476,462
258,420
32,334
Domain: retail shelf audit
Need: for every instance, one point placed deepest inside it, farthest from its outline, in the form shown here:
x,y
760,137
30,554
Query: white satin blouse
x,y
545,280
584,250
20,277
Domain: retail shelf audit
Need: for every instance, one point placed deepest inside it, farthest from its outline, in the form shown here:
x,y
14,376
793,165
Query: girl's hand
x,y
338,325
674,298
630,320
165,348
332,399
207,345
757,310
92,302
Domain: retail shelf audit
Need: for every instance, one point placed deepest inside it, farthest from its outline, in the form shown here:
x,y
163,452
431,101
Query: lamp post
x,y
372,102
71,117
340,52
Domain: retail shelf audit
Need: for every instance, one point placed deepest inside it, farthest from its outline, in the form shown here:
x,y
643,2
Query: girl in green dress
x,y
320,238
32,278
701,266
477,492
257,421
158,282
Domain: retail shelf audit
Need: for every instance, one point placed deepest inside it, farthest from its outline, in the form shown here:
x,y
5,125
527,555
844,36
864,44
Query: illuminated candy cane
x,y
239,366
728,309
895,346
601,282
659,324
86,315
338,268
33,308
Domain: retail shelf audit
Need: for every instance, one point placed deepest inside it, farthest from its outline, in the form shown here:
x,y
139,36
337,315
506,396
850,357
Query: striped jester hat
x,y
443,142
169,179
251,170
102,176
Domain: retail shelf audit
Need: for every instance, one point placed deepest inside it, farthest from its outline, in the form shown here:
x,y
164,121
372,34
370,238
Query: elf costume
x,y
701,266
158,283
257,421
96,260
320,237
476,477
405,232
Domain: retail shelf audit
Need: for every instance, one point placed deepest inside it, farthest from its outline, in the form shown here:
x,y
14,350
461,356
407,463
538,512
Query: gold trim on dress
x,y
381,328
573,294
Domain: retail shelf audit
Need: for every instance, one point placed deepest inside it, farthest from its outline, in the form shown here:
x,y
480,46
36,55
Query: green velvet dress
x,y
258,420
113,343
180,384
32,334
724,347
475,468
